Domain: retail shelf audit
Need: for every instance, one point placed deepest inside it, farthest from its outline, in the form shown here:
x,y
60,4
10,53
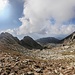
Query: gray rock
x,y
12,74
30,73
38,70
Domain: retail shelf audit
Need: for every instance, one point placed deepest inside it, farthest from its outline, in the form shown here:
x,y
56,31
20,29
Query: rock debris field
x,y
27,57
16,64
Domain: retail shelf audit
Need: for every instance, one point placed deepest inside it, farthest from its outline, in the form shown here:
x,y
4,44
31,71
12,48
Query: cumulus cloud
x,y
3,3
11,31
47,17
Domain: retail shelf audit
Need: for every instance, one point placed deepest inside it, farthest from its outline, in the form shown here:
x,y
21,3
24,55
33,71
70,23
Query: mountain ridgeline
x,y
69,39
27,42
8,40
48,40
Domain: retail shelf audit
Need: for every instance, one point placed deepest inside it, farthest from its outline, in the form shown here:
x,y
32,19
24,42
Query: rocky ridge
x,y
27,42
69,39
15,59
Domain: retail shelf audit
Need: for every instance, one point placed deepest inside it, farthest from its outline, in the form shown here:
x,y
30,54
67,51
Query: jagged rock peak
x,y
8,38
28,42
3,34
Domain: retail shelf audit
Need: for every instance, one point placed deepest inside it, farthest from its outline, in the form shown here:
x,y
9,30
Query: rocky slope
x,y
69,39
28,42
9,42
64,50
15,59
14,63
8,38
12,42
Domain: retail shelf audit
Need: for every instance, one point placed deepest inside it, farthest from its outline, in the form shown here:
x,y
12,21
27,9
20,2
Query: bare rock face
x,y
9,42
28,42
8,38
69,39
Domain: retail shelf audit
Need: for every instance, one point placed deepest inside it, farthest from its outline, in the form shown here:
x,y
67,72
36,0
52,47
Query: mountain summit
x,y
26,42
8,38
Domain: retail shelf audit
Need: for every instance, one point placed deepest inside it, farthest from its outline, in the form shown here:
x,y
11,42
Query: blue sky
x,y
11,14
37,18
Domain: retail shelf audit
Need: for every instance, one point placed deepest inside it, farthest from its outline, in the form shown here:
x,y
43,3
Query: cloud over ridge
x,y
37,15
47,17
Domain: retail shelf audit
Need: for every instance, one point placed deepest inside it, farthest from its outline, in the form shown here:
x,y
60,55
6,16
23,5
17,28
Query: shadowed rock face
x,y
47,40
69,39
28,42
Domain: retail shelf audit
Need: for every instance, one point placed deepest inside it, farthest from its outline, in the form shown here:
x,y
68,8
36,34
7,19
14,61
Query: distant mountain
x,y
69,39
9,41
28,42
47,40
12,42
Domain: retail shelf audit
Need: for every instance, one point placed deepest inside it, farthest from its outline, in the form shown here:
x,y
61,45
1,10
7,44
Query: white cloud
x,y
3,4
11,31
37,15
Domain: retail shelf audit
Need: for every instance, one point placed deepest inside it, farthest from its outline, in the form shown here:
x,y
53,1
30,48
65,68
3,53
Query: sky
x,y
37,18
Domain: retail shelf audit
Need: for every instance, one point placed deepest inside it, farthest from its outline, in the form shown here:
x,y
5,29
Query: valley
x,y
28,57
